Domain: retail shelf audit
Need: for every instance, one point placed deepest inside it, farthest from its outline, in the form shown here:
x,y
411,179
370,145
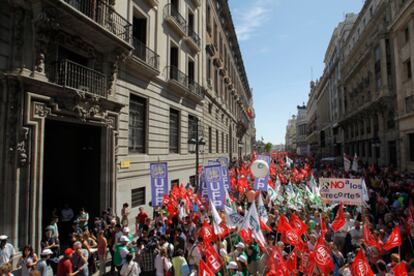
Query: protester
x,y
6,251
130,267
124,215
283,227
42,265
28,260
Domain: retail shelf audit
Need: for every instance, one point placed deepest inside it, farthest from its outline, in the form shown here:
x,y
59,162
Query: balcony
x,y
176,21
183,84
101,24
69,74
193,40
147,60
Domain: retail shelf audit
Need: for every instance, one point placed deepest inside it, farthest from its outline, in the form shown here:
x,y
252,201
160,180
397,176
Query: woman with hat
x,y
6,251
42,265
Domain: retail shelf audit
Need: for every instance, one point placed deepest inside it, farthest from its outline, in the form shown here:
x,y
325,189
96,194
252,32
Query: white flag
x,y
347,163
254,224
233,218
365,195
262,209
216,219
355,164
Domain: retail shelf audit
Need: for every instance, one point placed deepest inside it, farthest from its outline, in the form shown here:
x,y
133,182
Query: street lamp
x,y
195,146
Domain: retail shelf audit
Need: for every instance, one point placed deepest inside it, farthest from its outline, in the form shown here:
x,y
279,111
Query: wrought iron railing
x,y
70,74
194,36
170,11
146,54
175,74
105,15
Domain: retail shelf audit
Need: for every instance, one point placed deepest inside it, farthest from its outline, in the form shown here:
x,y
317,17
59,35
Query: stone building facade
x,y
92,92
402,38
290,136
301,130
368,120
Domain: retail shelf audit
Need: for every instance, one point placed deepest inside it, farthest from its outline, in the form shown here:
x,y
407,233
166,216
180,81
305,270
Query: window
x,y
407,69
378,80
390,120
222,142
191,72
406,35
137,124
411,141
228,143
409,104
174,130
137,197
210,108
139,33
192,127
217,141
174,63
210,141
209,71
192,180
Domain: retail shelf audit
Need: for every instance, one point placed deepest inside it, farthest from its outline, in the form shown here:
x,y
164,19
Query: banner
x,y
341,190
213,162
159,182
262,182
215,187
203,189
225,172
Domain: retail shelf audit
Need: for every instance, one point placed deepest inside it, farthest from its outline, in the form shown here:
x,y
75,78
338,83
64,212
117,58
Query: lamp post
x,y
195,146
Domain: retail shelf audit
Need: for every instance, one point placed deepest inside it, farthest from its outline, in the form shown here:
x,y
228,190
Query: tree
x,y
268,147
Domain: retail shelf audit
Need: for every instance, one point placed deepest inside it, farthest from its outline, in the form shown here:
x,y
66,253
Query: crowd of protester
x,y
179,237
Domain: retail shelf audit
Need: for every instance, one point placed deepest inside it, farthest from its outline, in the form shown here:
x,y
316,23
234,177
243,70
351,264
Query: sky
x,y
283,43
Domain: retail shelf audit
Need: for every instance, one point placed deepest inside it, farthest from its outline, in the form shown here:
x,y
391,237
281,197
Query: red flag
x,y
339,221
264,227
369,239
298,224
323,227
207,233
246,235
292,237
283,224
213,259
394,239
323,256
276,264
360,266
204,270
400,270
292,262
307,263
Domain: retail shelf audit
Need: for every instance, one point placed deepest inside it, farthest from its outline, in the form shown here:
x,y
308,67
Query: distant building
x,y
290,137
301,130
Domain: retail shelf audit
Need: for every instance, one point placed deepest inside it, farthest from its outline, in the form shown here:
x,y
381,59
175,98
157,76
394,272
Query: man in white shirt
x,y
356,234
6,251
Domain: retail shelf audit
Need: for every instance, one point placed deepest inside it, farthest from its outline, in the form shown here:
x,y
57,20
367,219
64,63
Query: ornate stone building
x,y
91,92
290,136
368,99
301,130
402,38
